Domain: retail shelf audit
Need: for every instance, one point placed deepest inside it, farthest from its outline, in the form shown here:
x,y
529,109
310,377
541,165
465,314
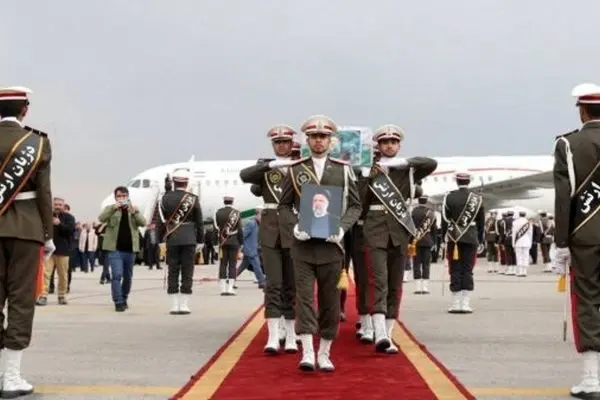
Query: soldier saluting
x,y
182,228
275,239
25,225
388,226
231,238
318,259
463,227
577,230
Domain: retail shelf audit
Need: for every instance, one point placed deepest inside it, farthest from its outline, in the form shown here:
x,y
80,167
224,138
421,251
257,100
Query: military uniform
x,y
505,238
318,259
577,237
275,241
463,223
386,237
25,226
183,230
231,238
424,219
491,239
546,240
501,227
522,237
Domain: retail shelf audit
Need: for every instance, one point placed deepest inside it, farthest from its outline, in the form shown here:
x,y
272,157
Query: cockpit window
x,y
134,183
146,183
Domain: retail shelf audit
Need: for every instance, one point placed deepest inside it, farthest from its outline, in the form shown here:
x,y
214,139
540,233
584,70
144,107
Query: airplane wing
x,y
495,193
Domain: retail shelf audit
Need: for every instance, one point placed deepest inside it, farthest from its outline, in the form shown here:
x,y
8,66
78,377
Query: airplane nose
x,y
110,199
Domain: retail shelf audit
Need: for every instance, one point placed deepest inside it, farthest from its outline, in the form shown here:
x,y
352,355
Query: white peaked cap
x,y
586,93
14,93
181,174
462,174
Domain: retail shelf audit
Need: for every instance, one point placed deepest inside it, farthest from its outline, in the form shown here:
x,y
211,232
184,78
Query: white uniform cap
x,y
14,93
586,93
462,174
181,175
319,124
389,131
281,132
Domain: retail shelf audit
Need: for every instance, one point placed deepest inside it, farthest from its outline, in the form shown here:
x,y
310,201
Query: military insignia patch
x,y
302,178
274,177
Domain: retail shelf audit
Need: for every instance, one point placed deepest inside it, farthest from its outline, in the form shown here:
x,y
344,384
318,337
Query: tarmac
x,y
511,347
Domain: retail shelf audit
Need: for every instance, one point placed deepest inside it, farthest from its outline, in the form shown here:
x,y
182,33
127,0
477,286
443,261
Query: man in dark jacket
x,y
64,226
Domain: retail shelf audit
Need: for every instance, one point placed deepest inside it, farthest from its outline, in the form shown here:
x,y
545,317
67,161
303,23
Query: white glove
x,y
365,172
394,162
560,260
49,249
199,247
300,235
336,238
280,163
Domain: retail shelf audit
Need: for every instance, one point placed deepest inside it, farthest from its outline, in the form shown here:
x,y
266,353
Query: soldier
x,y
318,259
26,225
424,219
463,223
501,250
275,240
509,250
364,326
522,236
388,226
231,238
577,237
547,240
536,240
183,230
491,238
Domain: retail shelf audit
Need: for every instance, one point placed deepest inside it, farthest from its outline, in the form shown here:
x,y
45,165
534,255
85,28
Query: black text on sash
x,y
273,179
425,226
391,198
522,231
18,167
181,212
456,229
586,202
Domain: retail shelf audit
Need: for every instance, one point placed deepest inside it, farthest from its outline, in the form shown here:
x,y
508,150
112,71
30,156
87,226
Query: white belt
x,y
377,207
26,196
270,206
231,233
360,222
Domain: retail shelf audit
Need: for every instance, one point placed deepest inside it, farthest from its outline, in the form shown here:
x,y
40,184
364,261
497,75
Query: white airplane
x,y
504,181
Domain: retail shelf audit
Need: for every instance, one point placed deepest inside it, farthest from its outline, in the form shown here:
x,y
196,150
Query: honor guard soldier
x,y
361,274
275,240
547,240
463,223
318,259
491,240
521,241
182,228
231,238
577,230
26,224
424,219
389,226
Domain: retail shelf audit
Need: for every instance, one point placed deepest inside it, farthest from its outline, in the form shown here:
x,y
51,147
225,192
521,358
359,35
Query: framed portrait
x,y
351,144
320,210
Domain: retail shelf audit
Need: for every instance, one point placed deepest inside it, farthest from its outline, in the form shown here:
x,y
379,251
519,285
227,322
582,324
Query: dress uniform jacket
x,y
271,234
191,229
222,218
335,173
28,219
455,202
380,226
419,214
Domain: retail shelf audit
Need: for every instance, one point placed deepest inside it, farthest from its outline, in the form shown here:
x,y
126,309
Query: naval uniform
x,y
230,243
316,259
461,264
181,243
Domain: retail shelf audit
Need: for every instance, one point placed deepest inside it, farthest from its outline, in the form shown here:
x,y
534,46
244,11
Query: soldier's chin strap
x,y
570,164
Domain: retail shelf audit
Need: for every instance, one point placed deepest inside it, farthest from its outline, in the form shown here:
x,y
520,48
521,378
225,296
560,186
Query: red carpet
x,y
360,373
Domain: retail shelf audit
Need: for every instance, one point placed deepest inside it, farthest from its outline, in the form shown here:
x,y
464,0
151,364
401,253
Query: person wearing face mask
x,y
317,259
389,226
275,240
577,231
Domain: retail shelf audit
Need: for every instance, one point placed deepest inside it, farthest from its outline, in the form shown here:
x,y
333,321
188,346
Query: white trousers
x,y
522,256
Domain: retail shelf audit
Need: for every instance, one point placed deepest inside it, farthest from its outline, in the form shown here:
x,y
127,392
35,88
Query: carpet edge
x,y
196,377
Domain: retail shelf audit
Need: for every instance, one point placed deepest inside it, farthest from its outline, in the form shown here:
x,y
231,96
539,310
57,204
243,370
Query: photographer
x,y
121,242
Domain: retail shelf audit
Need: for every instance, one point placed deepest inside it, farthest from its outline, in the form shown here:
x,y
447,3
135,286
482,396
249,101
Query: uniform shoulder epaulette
x,y
339,161
36,131
568,133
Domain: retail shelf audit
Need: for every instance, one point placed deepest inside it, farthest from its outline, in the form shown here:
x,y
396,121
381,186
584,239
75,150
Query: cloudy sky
x,y
125,85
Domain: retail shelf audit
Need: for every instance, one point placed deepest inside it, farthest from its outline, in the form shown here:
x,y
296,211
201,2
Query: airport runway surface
x,y
511,347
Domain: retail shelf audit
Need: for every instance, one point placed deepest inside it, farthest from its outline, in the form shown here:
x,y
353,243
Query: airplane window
x,y
135,183
217,183
146,183
207,183
226,182
435,178
445,179
234,182
489,178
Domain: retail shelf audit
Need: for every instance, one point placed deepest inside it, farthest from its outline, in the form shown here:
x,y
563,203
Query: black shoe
x,y
120,307
126,305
